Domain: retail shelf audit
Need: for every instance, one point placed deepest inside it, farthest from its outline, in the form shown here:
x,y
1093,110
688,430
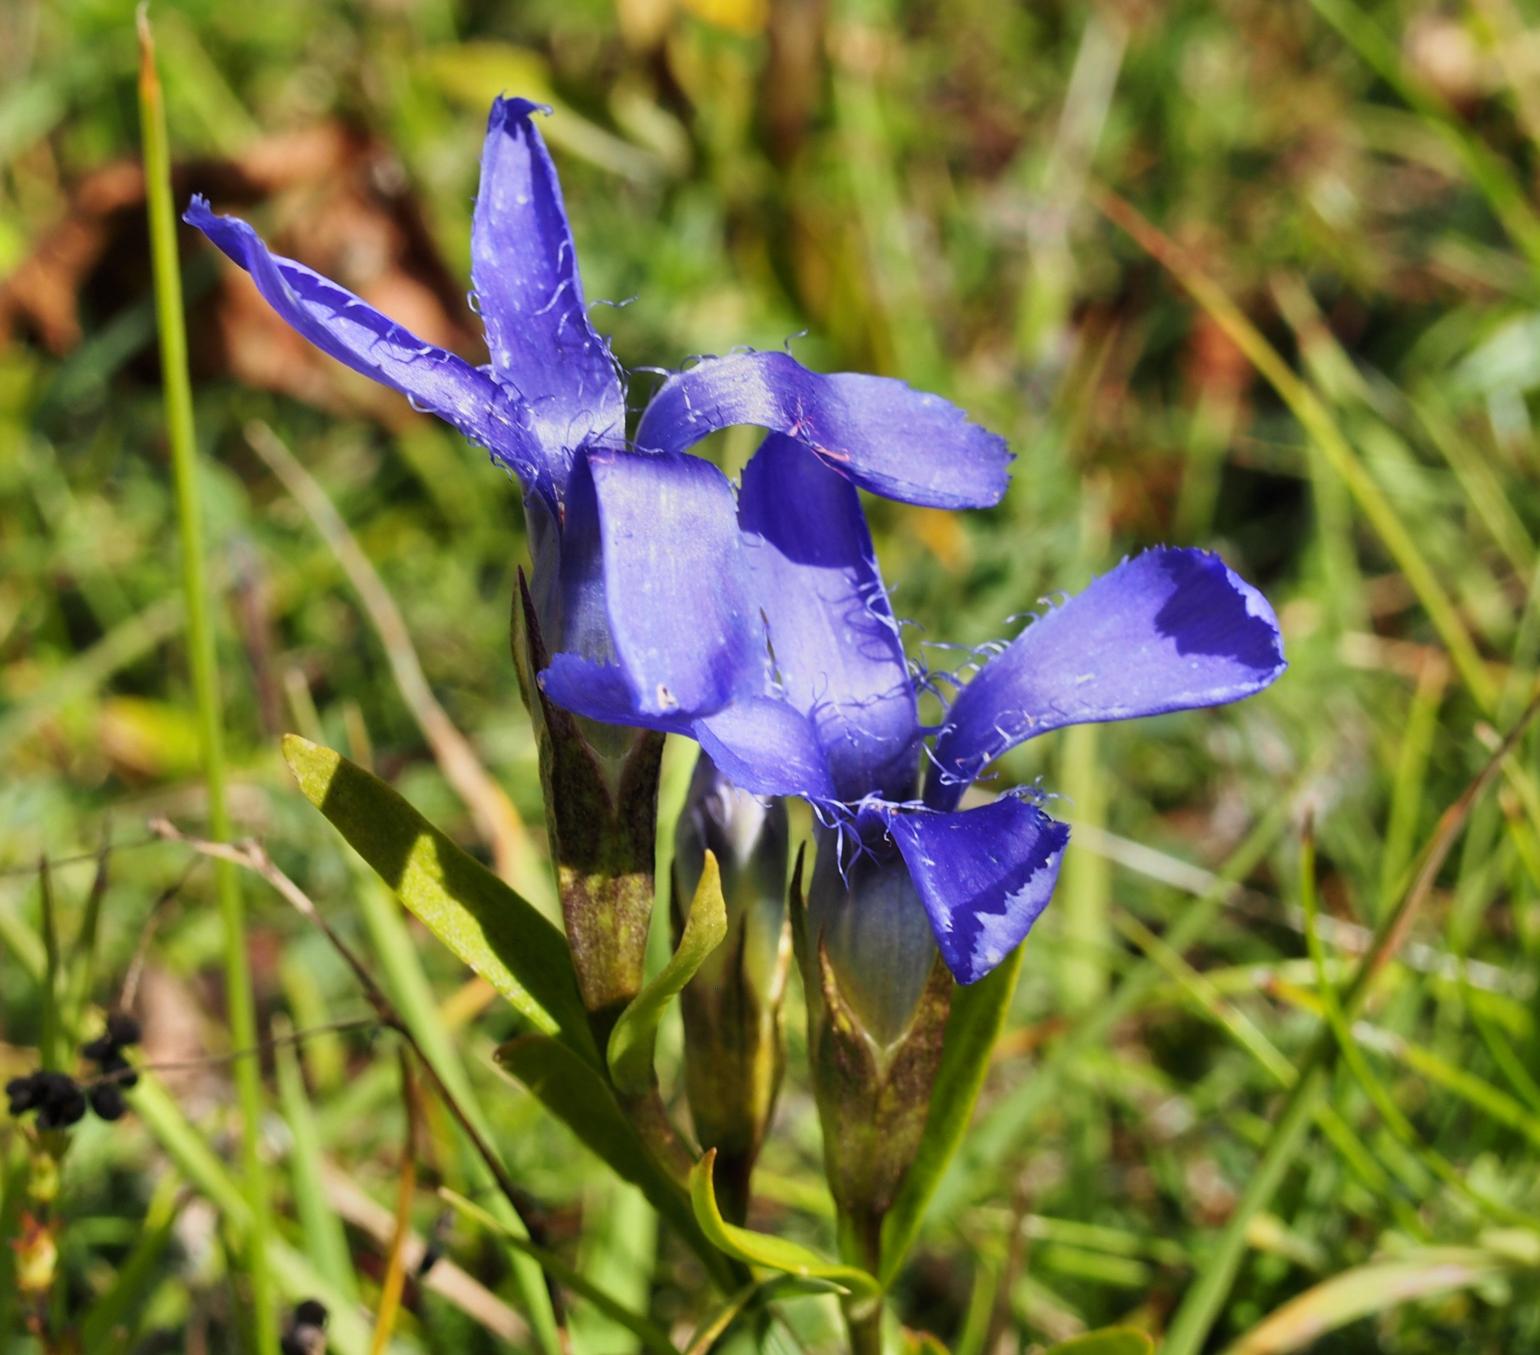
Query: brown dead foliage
x,y
327,195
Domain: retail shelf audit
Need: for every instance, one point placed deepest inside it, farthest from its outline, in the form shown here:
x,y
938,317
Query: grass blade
x,y
177,386
652,1337
325,1240
1200,1306
394,1283
1365,1291
1317,421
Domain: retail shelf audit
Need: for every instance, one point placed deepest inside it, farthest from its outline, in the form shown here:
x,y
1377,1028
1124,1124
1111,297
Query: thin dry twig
x,y
130,989
496,819
230,1056
252,856
443,1277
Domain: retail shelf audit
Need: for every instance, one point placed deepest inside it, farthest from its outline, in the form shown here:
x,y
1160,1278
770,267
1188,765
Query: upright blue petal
x,y
1170,629
834,639
984,876
339,323
876,431
654,541
525,272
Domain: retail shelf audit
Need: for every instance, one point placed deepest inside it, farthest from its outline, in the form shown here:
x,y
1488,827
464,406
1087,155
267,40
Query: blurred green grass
x,y
913,189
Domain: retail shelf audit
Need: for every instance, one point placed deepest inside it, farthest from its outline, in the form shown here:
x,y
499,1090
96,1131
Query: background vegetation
x,y
1250,275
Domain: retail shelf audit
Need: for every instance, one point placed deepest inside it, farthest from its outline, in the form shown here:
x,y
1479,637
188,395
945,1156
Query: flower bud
x,y
734,1036
878,997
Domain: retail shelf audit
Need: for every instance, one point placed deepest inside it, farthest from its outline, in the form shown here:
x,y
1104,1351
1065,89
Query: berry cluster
x,y
61,1101
56,1097
307,1330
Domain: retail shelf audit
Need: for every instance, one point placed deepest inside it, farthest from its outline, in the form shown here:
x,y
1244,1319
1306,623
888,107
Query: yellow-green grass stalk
x,y
1201,1305
1316,418
177,388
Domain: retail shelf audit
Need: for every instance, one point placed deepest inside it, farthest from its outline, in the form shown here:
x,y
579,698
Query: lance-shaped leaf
x,y
763,1249
576,1093
636,1033
978,1013
494,931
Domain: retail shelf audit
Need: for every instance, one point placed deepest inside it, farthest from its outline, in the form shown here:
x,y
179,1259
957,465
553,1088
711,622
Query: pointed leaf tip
x,y
764,1249
635,1035
493,930
311,765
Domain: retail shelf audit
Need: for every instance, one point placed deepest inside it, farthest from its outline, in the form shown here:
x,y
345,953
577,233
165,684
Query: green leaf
x,y
1107,1341
978,1013
636,1032
652,1336
762,1249
498,934
575,1092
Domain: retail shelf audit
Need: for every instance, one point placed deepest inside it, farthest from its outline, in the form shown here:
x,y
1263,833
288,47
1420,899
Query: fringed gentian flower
x,y
552,399
553,392
759,625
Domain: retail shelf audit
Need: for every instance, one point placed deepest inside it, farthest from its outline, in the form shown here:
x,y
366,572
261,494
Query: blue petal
x,y
531,297
654,539
984,876
874,430
766,747
339,323
1168,630
602,691
835,642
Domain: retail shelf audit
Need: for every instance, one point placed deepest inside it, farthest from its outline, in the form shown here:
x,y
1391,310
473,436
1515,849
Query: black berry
x,y
24,1093
123,1029
107,1101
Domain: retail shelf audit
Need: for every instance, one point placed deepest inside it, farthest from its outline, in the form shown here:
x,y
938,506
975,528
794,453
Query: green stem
x,y
205,676
861,1245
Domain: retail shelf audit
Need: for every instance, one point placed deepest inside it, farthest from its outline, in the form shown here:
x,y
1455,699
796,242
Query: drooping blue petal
x,y
654,540
525,272
603,692
767,747
834,640
1170,629
984,876
339,323
878,432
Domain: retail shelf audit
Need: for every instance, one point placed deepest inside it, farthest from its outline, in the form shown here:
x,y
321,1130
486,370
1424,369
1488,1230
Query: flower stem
x,y
861,1245
205,676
